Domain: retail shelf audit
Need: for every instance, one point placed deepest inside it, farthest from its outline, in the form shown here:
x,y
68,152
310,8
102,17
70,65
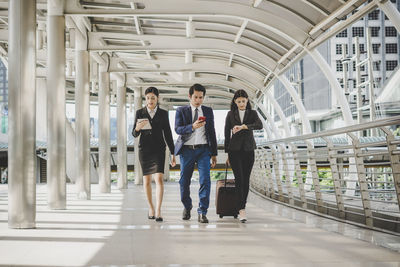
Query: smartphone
x,y
202,118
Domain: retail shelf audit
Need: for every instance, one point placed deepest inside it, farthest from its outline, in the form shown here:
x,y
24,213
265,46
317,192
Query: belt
x,y
195,146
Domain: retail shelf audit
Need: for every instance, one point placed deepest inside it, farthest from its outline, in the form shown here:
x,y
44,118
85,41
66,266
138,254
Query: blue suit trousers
x,y
188,158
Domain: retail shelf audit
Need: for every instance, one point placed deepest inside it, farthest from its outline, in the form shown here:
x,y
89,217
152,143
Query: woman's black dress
x,y
152,142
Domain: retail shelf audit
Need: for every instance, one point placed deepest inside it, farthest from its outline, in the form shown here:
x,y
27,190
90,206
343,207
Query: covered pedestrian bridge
x,y
319,198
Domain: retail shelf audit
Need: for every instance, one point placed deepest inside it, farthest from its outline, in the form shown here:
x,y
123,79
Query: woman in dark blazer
x,y
240,122
152,125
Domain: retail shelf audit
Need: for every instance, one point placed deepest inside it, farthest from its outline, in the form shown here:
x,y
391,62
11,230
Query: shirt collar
x,y
154,110
194,108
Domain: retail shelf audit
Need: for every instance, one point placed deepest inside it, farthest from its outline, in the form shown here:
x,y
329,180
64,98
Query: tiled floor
x,y
113,229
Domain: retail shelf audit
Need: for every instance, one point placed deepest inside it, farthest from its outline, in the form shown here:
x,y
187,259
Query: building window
x,y
362,67
374,15
339,49
358,31
391,48
376,65
391,65
354,83
339,65
375,31
361,48
375,48
342,33
340,82
390,31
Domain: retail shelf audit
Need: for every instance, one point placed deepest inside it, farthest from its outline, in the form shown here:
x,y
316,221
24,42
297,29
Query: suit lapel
x,y
146,113
246,115
236,116
188,114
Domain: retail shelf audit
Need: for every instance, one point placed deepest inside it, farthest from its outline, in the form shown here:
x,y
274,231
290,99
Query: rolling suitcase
x,y
227,197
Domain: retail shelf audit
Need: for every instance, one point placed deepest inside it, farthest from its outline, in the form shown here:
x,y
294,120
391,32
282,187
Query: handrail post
x,y
288,179
359,161
299,176
315,178
277,174
394,161
268,172
336,178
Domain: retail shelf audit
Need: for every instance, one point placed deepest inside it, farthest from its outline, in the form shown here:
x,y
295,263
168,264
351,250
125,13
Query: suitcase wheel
x,y
235,216
221,216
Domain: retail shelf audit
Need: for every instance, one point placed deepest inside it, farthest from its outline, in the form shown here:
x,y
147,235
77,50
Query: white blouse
x,y
241,115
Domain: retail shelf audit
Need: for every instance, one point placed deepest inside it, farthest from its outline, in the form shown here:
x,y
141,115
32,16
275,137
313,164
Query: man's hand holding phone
x,y
201,121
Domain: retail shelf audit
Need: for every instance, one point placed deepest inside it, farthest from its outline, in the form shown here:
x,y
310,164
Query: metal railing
x,y
355,179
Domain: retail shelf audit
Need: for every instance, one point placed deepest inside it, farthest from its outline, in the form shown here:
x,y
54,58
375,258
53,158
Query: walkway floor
x,y
112,229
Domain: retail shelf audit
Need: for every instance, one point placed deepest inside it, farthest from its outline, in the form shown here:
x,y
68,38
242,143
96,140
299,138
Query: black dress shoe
x,y
186,214
159,219
202,218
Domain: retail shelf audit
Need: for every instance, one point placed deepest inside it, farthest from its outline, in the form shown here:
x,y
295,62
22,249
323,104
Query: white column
x,y
138,105
56,142
336,88
122,181
392,13
299,105
82,117
22,114
104,129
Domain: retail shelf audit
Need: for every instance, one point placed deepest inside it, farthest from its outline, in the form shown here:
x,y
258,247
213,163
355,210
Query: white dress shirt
x,y
241,115
199,135
152,112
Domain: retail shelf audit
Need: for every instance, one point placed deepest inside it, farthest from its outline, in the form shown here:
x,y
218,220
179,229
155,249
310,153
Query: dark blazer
x,y
244,139
153,140
183,127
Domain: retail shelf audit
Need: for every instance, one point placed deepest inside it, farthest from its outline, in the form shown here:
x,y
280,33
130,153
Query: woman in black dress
x,y
152,125
240,122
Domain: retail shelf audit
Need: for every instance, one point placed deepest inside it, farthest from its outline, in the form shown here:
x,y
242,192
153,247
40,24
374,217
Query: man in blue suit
x,y
196,143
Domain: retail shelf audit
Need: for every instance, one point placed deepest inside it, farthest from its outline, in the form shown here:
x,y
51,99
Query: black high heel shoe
x,y
150,217
159,219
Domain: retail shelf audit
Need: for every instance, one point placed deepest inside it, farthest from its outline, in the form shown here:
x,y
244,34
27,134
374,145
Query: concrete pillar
x,y
82,117
122,181
56,150
22,115
138,105
104,130
167,154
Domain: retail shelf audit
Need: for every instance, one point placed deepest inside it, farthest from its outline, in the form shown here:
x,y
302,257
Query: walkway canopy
x,y
225,45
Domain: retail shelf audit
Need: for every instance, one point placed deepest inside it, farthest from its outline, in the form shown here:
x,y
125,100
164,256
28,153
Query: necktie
x,y
196,115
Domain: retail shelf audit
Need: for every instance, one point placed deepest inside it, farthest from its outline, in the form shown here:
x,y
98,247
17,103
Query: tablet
x,y
147,126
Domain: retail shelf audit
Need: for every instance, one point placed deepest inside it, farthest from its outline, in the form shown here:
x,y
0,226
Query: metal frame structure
x,y
226,44
376,162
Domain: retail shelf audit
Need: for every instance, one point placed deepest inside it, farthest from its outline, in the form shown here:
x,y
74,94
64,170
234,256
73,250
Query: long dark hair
x,y
240,93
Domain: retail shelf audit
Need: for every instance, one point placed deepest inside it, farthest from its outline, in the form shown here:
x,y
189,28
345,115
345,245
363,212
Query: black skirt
x,y
152,162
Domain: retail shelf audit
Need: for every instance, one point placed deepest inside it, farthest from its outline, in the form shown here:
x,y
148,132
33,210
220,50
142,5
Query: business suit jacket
x,y
153,140
244,139
183,127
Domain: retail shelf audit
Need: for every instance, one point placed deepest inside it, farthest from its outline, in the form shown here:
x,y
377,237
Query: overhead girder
x,y
177,43
256,80
296,32
200,26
